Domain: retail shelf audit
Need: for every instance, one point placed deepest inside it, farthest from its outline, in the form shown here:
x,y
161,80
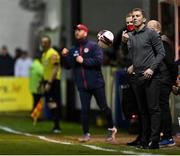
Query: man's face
x,y
137,18
80,34
153,25
129,23
45,43
4,51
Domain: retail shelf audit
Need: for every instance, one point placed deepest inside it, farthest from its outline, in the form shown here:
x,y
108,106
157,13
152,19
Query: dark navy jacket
x,y
88,75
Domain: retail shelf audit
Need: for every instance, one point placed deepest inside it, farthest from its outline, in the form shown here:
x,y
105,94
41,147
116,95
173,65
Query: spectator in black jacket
x,y
6,63
169,72
127,99
86,59
130,107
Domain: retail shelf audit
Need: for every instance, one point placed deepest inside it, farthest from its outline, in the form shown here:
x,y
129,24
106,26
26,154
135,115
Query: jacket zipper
x,y
82,69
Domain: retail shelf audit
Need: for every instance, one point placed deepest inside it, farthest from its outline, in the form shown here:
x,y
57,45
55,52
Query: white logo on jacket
x,y
76,53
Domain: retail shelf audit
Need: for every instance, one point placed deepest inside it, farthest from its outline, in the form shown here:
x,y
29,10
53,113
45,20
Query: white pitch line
x,y
7,129
54,141
135,153
99,148
31,135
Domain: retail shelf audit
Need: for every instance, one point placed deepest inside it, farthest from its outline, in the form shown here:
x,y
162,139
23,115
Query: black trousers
x,y
53,95
166,119
36,98
147,95
85,97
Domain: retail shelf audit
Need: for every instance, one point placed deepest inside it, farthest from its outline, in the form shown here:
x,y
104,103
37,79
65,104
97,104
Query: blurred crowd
x,y
18,65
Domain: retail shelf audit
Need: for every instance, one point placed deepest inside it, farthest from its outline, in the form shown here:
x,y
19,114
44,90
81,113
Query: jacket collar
x,y
82,42
142,30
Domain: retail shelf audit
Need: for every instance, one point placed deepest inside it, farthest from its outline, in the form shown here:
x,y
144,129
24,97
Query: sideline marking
x,y
7,129
99,148
32,135
136,153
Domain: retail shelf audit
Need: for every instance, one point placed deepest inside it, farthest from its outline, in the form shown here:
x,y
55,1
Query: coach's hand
x,y
125,36
79,59
148,73
130,70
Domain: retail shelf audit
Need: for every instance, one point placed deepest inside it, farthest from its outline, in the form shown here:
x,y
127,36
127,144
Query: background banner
x,y
15,94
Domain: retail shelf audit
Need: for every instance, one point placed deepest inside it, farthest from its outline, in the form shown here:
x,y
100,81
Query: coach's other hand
x,y
79,59
125,36
148,73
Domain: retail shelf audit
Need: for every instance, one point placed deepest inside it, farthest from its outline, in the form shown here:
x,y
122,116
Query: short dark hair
x,y
129,15
4,47
48,37
140,10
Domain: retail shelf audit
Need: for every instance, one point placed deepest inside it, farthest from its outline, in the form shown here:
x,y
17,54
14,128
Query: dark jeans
x,y
147,95
166,119
100,97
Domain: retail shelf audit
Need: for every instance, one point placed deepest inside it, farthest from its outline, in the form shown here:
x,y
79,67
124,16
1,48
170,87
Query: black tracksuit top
x,y
87,75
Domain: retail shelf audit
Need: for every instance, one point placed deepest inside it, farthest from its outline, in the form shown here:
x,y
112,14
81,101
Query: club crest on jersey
x,y
86,50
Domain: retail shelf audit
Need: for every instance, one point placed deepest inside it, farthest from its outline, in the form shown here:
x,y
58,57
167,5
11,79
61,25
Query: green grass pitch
x,y
22,144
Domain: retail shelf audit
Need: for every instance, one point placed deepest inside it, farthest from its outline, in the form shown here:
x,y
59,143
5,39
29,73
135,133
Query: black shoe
x,y
56,129
143,145
153,145
136,142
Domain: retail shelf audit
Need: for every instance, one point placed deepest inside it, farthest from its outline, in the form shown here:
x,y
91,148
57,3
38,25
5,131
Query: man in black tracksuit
x,y
169,71
86,59
147,51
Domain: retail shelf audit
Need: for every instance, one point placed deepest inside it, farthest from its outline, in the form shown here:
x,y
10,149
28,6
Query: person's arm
x,y
169,61
52,78
159,52
40,71
16,69
67,58
54,73
130,70
55,60
124,47
158,49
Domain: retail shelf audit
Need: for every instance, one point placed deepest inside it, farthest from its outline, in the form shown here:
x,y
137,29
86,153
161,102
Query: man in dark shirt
x,y
169,71
147,51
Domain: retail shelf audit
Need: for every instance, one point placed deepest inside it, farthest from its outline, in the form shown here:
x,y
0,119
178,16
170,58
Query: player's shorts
x,y
53,95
